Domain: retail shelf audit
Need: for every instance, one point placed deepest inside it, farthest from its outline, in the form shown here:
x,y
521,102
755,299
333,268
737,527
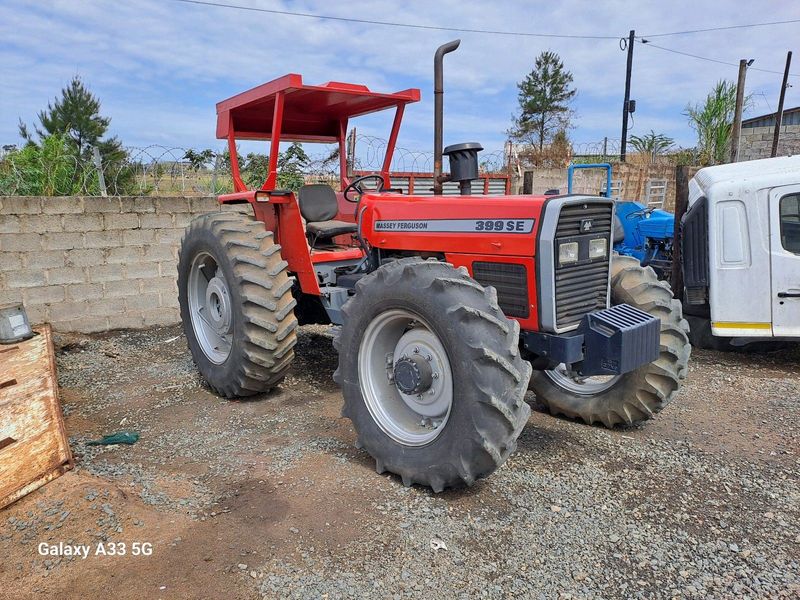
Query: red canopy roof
x,y
310,112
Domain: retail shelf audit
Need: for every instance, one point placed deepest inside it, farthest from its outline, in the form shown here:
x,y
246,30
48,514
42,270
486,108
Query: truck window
x,y
790,222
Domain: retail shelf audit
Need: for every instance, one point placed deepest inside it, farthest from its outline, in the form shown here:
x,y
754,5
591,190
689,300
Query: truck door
x,y
784,216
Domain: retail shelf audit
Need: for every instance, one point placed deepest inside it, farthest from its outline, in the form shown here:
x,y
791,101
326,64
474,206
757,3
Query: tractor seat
x,y
318,206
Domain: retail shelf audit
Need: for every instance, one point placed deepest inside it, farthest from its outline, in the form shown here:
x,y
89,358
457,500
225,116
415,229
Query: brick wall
x,y
756,142
91,264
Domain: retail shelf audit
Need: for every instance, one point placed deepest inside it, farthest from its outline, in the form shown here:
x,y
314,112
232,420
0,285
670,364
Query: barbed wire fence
x,y
157,169
164,170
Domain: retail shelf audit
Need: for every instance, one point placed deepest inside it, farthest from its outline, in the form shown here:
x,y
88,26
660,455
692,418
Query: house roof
x,y
791,116
310,112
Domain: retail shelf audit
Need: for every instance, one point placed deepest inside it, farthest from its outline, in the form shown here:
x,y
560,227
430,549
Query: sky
x,y
159,66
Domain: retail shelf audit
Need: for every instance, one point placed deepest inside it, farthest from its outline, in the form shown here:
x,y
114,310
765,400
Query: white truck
x,y
740,253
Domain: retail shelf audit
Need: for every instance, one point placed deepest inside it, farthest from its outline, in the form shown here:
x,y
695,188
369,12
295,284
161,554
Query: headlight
x,y
598,248
567,253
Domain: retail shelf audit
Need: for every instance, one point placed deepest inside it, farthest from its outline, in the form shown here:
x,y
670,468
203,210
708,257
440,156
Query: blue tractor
x,y
640,231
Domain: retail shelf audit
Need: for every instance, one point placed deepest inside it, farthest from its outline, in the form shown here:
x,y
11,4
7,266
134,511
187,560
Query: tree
x,y
544,98
198,159
292,164
75,115
651,144
254,167
75,118
713,122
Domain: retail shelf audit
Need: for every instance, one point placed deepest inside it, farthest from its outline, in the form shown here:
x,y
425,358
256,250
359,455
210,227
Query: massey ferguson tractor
x,y
450,307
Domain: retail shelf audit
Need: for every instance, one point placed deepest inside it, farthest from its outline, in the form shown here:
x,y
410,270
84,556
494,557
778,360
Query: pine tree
x,y
544,98
76,115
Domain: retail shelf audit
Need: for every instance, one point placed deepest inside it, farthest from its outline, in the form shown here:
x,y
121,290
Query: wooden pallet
x,y
33,441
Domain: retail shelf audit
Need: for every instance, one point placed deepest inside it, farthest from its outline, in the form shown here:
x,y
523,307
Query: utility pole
x,y
737,115
626,101
779,115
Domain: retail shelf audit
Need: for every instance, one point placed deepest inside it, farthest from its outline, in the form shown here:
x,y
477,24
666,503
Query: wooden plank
x,y
34,448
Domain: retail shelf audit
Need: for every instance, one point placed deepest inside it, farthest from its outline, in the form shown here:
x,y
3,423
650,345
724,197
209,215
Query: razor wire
x,y
174,170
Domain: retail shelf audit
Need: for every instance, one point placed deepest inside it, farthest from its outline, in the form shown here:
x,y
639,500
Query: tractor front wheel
x,y
636,396
431,374
236,304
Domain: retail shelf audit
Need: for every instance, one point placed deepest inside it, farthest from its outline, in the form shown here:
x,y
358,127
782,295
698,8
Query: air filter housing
x,y
463,164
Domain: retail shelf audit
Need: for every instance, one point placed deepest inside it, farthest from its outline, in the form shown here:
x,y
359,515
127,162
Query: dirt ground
x,y
269,497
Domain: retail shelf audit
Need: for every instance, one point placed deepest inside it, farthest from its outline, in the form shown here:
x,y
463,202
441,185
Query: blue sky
x,y
159,66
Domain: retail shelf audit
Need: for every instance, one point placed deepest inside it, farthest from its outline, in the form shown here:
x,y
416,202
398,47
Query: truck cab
x,y
741,251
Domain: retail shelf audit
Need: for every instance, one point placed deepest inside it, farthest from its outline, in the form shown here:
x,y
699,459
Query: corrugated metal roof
x,y
791,116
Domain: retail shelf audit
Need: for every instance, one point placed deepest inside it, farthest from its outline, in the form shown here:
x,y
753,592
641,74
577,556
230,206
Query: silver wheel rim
x,y
409,419
210,308
583,386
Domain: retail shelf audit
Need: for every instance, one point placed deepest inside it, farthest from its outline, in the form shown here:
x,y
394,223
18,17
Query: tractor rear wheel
x,y
431,374
636,396
236,304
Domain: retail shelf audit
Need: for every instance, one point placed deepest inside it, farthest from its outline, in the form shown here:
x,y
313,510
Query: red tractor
x,y
446,304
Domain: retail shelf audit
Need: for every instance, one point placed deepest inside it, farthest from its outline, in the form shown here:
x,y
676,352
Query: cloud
x,y
159,66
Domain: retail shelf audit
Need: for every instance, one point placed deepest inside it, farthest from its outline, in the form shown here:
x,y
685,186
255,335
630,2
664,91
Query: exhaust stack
x,y
438,112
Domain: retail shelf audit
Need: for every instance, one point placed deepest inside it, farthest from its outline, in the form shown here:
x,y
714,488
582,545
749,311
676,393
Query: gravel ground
x,y
268,498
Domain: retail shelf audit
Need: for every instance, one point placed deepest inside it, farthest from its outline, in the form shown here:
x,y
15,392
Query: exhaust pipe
x,y
438,112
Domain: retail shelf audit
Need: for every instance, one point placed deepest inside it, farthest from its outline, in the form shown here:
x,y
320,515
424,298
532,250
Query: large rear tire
x,y
636,396
451,336
236,304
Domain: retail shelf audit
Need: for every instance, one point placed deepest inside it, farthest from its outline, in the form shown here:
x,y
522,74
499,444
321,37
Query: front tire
x,y
236,304
452,337
636,396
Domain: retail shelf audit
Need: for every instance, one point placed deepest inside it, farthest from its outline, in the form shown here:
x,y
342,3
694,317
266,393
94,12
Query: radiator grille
x,y
511,283
581,287
571,217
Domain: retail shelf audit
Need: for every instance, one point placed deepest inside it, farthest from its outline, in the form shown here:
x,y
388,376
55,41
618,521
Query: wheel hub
x,y
210,308
420,347
405,377
219,305
413,375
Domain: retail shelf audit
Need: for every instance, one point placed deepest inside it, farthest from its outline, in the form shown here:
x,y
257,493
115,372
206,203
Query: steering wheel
x,y
644,212
355,185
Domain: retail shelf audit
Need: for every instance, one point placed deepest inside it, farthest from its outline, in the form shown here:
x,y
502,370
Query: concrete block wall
x,y
634,179
756,142
91,264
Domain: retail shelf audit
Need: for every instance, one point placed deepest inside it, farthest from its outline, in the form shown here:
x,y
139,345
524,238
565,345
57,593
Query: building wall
x,y
634,180
756,142
92,264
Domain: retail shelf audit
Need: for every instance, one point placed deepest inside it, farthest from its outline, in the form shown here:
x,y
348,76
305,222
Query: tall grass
x,y
713,122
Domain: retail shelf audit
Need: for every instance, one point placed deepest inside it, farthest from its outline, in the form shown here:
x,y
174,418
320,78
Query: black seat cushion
x,y
318,206
327,229
317,202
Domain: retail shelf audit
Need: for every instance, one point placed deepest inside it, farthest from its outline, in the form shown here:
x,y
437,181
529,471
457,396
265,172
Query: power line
x,y
647,42
289,13
642,39
395,24
724,28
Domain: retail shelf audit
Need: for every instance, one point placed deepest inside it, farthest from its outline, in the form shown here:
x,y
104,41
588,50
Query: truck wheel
x,y
236,304
701,337
431,374
636,396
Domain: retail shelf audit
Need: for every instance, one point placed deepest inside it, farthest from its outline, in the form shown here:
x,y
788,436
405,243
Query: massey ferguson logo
x,y
586,225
